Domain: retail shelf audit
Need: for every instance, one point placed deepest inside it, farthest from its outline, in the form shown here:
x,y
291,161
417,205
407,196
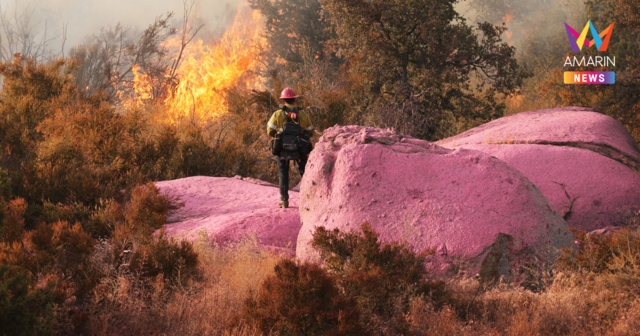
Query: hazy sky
x,y
86,17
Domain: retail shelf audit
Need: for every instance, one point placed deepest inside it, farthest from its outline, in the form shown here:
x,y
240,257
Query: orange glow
x,y
514,101
142,84
508,16
207,70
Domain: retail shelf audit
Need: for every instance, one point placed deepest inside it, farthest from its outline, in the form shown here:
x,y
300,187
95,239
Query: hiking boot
x,y
283,204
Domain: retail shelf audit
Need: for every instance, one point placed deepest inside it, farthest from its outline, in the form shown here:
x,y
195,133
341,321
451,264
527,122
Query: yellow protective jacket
x,y
279,117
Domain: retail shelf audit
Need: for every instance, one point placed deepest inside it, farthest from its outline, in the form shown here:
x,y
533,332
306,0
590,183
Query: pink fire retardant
x,y
584,162
228,209
467,204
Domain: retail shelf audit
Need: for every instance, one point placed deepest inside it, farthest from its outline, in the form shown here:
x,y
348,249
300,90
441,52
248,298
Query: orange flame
x,y
506,18
141,85
207,70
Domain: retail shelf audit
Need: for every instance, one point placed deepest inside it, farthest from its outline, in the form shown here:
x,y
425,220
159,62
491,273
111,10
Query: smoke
x,y
524,18
69,22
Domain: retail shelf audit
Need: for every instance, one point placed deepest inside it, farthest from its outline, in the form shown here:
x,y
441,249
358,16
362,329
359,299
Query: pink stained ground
x,y
229,209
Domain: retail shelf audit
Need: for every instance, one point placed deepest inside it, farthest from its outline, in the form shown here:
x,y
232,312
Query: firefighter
x,y
289,112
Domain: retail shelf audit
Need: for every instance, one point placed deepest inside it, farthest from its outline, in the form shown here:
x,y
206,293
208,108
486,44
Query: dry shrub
x,y
139,217
69,212
629,321
125,303
424,319
302,299
13,229
58,249
147,209
615,255
56,255
381,277
593,291
174,260
230,274
25,309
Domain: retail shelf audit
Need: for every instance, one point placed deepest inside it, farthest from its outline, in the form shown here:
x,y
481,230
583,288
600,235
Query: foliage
x,y
175,260
59,249
414,66
67,153
147,209
382,278
13,228
5,193
615,255
295,29
619,101
418,59
302,300
24,308
112,60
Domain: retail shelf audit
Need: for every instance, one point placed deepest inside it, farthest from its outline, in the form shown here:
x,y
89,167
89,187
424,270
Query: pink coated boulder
x,y
468,205
569,126
229,209
584,162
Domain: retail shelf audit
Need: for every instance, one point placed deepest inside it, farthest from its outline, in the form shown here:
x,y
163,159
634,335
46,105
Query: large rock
x,y
229,209
585,163
465,203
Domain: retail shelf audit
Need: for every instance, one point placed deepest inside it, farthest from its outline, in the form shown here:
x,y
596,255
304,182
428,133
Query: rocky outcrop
x,y
462,202
585,163
229,209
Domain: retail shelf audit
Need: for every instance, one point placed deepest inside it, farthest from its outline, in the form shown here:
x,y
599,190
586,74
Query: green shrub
x,y
25,310
302,299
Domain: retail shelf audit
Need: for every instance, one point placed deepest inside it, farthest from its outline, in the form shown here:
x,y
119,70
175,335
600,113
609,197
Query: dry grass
x,y
574,304
128,305
572,301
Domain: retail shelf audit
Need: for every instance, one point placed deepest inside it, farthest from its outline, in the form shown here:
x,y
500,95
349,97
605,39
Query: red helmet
x,y
288,93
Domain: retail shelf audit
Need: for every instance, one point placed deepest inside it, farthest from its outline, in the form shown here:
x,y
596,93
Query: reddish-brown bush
x,y
58,249
381,277
13,229
301,299
175,260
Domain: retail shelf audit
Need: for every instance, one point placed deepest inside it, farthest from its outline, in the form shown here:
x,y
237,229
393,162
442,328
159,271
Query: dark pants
x,y
283,174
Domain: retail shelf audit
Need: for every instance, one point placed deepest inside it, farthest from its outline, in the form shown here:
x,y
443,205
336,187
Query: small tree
x,y
419,59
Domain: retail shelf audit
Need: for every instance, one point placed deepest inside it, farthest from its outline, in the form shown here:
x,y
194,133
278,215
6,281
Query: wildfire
x,y
208,69
508,16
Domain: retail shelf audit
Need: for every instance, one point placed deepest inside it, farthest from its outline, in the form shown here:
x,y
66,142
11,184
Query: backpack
x,y
291,133
291,142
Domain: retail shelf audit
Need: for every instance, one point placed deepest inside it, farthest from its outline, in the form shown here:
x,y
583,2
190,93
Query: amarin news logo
x,y
576,45
578,41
